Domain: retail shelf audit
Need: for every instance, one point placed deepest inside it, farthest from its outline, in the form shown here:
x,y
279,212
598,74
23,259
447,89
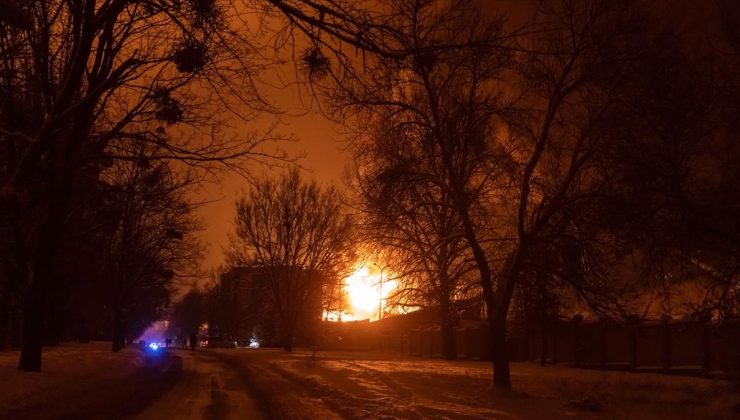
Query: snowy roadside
x,y
81,380
374,385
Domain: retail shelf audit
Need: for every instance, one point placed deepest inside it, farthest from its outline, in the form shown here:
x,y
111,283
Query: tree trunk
x,y
82,331
15,326
498,303
543,349
449,351
39,277
449,348
501,374
497,317
288,338
4,320
119,331
32,333
41,248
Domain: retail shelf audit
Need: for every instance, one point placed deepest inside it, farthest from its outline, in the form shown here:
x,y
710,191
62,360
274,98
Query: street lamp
x,y
380,291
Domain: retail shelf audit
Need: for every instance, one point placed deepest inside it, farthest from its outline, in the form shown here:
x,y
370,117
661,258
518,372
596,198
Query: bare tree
x,y
298,234
153,243
675,187
87,80
409,218
505,124
585,55
189,313
443,103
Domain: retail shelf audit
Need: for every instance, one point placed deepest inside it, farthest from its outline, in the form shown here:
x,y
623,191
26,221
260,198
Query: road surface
x,y
205,388
227,384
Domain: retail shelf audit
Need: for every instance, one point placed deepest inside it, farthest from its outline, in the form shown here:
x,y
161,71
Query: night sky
x,y
320,141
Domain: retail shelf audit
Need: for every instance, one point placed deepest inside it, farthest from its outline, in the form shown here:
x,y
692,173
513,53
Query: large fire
x,y
366,293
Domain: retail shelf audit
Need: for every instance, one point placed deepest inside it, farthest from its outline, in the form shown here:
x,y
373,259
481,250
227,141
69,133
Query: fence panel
x,y
618,346
686,345
650,352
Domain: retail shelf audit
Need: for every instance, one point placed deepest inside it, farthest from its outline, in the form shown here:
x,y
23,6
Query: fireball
x,y
367,291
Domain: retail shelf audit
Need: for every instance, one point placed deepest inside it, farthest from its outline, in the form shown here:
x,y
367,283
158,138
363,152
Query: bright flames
x,y
365,293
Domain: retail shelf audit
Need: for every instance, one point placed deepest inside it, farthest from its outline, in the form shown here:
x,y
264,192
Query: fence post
x,y
544,335
577,340
633,347
429,340
554,335
705,348
468,344
666,344
602,343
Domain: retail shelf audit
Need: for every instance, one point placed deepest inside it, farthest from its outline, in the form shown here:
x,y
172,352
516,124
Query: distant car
x,y
217,343
247,343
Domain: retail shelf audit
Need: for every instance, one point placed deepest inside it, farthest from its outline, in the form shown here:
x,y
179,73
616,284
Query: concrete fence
x,y
470,343
670,347
684,346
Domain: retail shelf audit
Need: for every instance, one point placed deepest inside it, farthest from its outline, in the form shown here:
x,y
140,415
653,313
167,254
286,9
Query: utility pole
x,y
341,291
380,291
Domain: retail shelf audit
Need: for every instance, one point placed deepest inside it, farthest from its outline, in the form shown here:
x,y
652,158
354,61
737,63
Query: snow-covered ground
x,y
206,389
78,381
375,385
83,381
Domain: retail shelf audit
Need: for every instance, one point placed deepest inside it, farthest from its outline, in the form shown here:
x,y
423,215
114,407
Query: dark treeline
x,y
129,232
109,110
292,240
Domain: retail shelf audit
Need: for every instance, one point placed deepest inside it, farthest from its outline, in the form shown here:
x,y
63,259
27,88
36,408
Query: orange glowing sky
x,y
320,140
316,137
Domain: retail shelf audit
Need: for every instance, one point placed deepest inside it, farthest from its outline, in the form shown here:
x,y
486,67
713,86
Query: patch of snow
x,y
362,385
70,372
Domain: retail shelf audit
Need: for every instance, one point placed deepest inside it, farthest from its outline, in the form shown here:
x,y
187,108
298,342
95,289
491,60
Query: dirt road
x,y
206,388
